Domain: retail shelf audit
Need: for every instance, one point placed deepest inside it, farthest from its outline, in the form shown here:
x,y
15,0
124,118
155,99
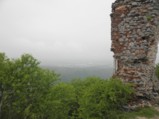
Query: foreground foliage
x,y
101,99
28,91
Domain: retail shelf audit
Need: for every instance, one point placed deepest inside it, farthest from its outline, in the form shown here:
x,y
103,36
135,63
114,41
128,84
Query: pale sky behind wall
x,y
57,32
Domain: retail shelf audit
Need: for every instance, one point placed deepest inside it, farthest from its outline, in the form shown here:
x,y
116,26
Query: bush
x,y
63,97
103,99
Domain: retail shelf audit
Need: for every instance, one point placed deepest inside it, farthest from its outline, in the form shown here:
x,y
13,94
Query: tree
x,y
25,88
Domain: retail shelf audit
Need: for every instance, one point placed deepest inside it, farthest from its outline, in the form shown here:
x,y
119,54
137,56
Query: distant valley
x,y
68,73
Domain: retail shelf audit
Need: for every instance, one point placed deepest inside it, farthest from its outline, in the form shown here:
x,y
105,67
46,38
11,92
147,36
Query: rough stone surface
x,y
135,35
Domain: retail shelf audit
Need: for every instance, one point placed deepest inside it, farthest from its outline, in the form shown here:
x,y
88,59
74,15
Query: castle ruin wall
x,y
135,35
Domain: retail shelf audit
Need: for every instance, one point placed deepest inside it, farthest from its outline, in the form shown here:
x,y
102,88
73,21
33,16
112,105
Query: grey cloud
x,y
57,31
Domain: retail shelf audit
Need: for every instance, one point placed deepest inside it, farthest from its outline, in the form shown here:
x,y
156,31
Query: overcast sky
x,y
57,31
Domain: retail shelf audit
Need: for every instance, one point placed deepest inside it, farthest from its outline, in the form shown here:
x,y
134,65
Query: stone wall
x,y
135,35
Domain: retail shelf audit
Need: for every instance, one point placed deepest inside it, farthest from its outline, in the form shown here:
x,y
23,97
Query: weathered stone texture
x,y
135,35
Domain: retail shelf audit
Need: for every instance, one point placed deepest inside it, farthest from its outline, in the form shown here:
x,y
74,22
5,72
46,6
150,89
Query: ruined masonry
x,y
135,35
